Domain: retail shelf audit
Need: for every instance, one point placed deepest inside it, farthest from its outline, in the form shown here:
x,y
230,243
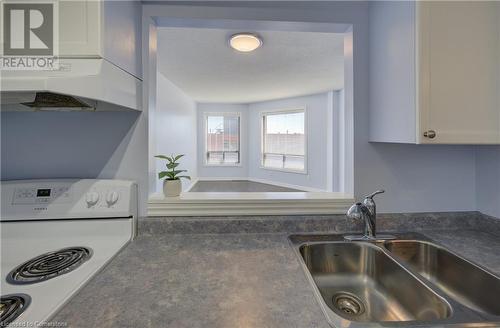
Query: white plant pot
x,y
172,188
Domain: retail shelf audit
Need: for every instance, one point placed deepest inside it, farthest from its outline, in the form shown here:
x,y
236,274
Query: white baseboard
x,y
221,178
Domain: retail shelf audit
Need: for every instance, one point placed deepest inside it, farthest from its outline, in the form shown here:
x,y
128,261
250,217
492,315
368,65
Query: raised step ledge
x,y
249,203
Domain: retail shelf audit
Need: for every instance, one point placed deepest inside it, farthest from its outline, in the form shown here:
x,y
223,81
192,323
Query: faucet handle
x,y
355,212
370,196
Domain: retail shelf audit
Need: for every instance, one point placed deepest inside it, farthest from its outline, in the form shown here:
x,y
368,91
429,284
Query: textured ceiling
x,y
200,62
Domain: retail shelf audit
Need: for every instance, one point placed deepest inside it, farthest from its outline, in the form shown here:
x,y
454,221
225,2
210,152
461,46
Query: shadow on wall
x,y
61,144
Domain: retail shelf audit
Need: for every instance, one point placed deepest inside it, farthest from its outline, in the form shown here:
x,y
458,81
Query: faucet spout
x,y
358,212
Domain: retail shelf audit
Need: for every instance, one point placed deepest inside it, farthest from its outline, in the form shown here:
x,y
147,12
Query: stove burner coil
x,y
11,306
49,265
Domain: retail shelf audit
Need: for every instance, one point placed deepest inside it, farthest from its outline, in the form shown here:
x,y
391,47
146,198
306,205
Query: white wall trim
x,y
249,203
206,114
206,109
346,150
278,111
221,178
330,148
338,141
206,16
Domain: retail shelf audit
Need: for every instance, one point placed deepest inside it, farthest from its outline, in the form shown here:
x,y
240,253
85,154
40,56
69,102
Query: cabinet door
x,y
79,28
459,72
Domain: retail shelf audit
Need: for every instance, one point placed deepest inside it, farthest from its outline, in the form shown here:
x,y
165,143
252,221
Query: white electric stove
x,y
55,236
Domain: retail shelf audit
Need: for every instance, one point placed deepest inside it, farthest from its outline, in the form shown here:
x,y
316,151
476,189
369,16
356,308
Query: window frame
x,y
205,134
265,113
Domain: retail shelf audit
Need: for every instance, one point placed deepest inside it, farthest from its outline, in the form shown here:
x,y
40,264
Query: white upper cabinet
x,y
435,72
105,29
80,28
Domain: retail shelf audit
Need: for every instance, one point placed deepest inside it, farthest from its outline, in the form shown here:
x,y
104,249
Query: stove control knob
x,y
112,198
91,198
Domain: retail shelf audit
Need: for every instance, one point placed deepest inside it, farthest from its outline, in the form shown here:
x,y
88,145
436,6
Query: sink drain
x,y
348,303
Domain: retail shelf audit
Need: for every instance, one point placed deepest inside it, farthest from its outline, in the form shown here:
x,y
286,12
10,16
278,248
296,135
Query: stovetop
x,y
12,306
23,241
49,265
55,236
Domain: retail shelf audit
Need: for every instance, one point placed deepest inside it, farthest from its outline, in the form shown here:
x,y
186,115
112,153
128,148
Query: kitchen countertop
x,y
221,280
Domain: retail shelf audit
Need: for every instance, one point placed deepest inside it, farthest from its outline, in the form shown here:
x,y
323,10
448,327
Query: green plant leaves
x,y
172,173
162,174
176,158
171,166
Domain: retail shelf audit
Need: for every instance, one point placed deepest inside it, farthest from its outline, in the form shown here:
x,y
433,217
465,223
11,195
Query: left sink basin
x,y
358,282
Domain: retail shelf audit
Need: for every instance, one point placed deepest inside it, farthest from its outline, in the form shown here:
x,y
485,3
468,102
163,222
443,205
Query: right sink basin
x,y
407,282
460,279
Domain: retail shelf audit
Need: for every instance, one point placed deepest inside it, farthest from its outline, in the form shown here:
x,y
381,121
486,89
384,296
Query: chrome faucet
x,y
366,211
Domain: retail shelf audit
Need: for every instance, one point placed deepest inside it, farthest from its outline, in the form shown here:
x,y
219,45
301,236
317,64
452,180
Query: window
x,y
283,140
222,139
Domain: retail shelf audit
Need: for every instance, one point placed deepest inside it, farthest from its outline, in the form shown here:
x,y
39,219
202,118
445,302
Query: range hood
x,y
54,100
78,84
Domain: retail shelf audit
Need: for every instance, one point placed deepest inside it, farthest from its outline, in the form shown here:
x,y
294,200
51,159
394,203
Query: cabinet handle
x,y
431,134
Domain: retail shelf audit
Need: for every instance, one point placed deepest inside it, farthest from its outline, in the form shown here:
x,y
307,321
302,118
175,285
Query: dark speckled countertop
x,y
231,280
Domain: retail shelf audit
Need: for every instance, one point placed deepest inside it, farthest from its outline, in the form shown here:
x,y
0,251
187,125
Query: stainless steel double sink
x,y
407,282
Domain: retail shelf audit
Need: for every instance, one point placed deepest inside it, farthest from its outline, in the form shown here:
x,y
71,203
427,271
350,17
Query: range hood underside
x,y
94,82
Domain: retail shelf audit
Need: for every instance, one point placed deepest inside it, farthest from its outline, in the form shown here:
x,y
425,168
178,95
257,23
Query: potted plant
x,y
172,185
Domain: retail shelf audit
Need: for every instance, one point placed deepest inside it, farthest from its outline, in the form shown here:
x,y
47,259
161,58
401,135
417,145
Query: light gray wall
x,y
317,107
61,145
240,171
488,180
115,144
122,32
45,145
392,101
417,178
175,128
420,177
317,126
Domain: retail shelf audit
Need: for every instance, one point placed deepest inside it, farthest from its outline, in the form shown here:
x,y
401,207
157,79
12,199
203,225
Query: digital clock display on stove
x,y
43,193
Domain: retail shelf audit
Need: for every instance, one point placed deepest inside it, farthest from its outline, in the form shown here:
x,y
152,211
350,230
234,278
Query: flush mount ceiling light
x,y
245,42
